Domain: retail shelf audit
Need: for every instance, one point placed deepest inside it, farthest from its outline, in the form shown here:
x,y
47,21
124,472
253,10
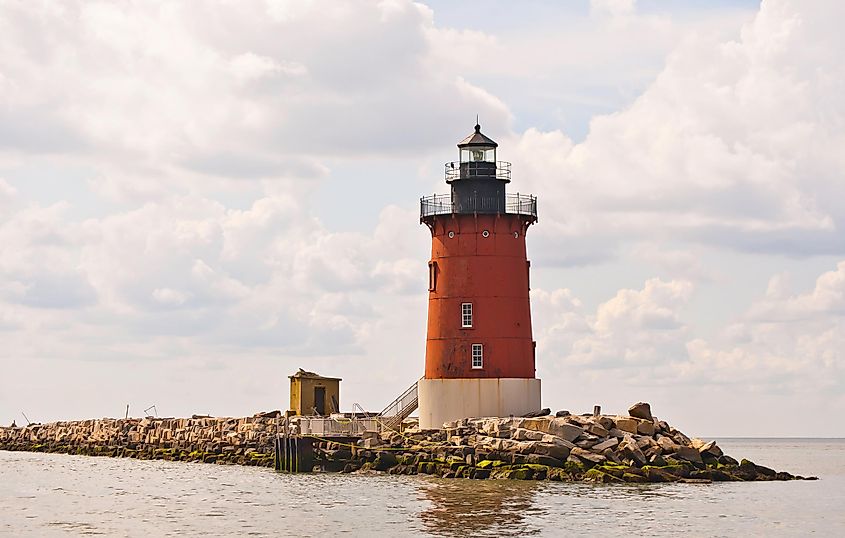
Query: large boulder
x,y
497,428
523,434
597,430
563,429
667,444
641,410
553,450
604,445
645,428
555,440
385,460
688,453
628,450
710,448
605,422
587,456
540,413
537,424
627,425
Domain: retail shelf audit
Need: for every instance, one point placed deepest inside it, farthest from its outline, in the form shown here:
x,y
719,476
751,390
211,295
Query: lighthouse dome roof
x,y
477,139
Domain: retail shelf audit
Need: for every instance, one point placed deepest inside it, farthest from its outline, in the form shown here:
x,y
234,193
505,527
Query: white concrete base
x,y
445,400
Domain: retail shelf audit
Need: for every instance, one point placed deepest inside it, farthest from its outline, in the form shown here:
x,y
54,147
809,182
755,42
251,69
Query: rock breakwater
x,y
596,448
608,449
244,441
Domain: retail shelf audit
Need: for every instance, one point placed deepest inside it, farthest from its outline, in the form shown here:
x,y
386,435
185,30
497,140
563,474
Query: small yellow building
x,y
313,394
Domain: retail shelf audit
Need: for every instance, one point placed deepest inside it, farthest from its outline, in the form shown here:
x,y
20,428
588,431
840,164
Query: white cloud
x,y
170,297
7,192
249,67
156,97
785,344
614,8
636,331
734,144
207,139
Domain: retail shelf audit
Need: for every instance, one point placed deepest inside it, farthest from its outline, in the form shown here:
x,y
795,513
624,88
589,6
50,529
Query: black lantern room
x,y
478,180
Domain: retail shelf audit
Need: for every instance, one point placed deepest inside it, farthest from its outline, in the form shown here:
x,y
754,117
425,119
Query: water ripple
x,y
59,495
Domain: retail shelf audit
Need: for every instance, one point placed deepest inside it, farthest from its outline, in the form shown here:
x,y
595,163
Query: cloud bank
x,y
164,237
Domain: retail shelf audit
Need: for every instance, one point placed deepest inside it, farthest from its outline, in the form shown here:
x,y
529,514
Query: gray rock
x,y
645,428
667,444
616,432
562,413
587,456
522,434
627,425
727,460
384,461
564,430
597,430
641,410
711,448
555,440
557,451
689,454
542,459
604,445
611,456
605,422
630,451
541,413
681,439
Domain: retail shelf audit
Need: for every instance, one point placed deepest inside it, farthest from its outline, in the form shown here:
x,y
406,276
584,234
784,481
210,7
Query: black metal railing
x,y
499,170
443,204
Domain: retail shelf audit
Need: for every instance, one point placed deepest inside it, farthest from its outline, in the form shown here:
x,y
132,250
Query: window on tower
x,y
432,276
477,356
478,155
466,314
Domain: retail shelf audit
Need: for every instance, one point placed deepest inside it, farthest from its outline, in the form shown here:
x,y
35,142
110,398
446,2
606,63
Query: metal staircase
x,y
399,409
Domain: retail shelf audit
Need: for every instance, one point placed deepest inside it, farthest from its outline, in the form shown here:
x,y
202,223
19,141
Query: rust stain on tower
x,y
479,315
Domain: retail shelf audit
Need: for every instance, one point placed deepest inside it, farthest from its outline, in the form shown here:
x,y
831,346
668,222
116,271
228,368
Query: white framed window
x,y
477,356
466,314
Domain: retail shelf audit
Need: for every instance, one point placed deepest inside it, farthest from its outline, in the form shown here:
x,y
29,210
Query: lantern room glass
x,y
478,154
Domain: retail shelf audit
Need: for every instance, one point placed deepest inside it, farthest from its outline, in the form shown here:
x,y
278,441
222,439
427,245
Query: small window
x,y
432,276
466,314
528,273
477,356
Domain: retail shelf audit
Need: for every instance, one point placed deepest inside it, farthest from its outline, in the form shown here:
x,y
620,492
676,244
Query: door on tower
x,y
320,400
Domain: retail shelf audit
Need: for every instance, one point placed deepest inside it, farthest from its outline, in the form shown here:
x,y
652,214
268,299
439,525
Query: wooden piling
x,y
294,453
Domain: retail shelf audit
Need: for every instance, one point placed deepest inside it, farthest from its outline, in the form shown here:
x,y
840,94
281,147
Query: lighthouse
x,y
479,355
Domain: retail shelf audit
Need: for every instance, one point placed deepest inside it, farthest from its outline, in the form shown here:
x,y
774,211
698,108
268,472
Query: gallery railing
x,y
499,170
443,204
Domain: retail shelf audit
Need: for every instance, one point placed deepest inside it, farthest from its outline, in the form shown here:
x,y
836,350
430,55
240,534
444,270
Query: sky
x,y
196,199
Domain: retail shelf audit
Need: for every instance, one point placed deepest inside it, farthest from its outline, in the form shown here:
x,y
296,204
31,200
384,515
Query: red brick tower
x,y
479,357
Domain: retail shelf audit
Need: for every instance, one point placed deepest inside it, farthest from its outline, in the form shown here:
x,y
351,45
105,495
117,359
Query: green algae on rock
x,y
605,449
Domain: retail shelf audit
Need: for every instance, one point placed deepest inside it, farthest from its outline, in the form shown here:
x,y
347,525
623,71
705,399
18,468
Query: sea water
x,y
61,495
